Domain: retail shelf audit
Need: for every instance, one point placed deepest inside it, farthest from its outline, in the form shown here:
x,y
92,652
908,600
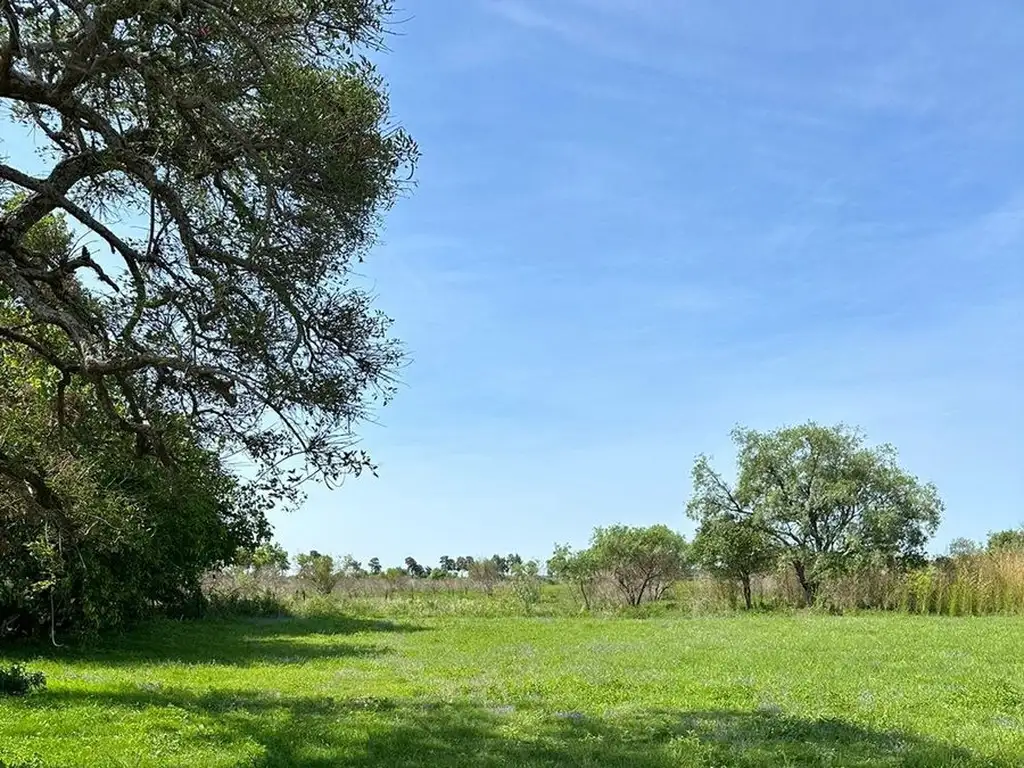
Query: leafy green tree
x,y
1011,540
232,161
733,549
374,566
97,531
318,571
447,564
643,562
269,556
963,547
825,498
576,568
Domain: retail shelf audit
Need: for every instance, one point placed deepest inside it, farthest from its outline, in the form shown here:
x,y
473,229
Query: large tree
x,y
91,533
822,495
226,163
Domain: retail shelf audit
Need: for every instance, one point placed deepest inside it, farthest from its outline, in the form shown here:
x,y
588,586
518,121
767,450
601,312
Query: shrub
x,y
15,680
526,583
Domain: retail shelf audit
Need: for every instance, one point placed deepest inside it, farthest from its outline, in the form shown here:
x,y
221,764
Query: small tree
x,y
734,550
963,547
318,571
374,566
526,582
643,562
413,568
268,558
393,579
576,568
447,564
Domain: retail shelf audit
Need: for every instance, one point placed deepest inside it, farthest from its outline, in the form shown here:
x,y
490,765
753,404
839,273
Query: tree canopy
x,y
823,496
225,163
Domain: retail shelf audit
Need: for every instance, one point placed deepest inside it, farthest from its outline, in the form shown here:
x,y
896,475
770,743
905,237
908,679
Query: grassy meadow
x,y
740,690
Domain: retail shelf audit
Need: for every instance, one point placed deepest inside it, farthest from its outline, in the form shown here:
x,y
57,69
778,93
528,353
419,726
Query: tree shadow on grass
x,y
237,642
317,732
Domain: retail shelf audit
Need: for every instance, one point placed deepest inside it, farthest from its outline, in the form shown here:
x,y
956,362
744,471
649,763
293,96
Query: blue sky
x,y
641,222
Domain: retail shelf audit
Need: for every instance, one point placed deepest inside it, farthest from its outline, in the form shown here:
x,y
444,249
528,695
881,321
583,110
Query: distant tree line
x,y
809,505
323,572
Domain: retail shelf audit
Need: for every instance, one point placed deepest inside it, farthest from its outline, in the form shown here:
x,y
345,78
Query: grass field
x,y
734,691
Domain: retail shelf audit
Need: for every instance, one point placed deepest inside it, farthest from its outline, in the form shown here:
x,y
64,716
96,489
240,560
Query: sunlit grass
x,y
735,691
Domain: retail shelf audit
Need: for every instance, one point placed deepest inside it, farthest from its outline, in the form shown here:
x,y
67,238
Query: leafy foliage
x,y
643,562
526,582
827,500
1011,540
96,530
252,144
318,572
733,549
269,556
576,568
15,680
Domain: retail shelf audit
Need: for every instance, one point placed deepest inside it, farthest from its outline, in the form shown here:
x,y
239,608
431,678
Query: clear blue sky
x,y
640,222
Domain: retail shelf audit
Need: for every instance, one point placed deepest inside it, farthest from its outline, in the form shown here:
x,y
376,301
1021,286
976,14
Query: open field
x,y
734,691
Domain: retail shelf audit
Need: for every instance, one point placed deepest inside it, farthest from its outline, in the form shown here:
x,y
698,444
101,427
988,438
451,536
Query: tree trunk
x,y
807,586
745,583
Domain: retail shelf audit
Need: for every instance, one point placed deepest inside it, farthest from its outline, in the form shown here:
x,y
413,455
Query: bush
x,y
526,583
15,680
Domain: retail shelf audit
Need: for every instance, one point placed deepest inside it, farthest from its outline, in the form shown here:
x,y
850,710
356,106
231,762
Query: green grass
x,y
735,691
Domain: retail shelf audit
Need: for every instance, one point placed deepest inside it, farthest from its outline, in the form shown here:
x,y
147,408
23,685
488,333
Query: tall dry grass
x,y
969,585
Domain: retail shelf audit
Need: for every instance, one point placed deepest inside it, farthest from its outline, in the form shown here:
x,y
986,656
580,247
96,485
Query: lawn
x,y
734,691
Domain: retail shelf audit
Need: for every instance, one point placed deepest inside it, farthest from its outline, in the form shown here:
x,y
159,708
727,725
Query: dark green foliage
x,y
228,161
414,569
15,680
95,532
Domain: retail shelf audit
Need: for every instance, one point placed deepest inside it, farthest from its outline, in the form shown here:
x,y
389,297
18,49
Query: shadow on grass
x,y
240,642
317,732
